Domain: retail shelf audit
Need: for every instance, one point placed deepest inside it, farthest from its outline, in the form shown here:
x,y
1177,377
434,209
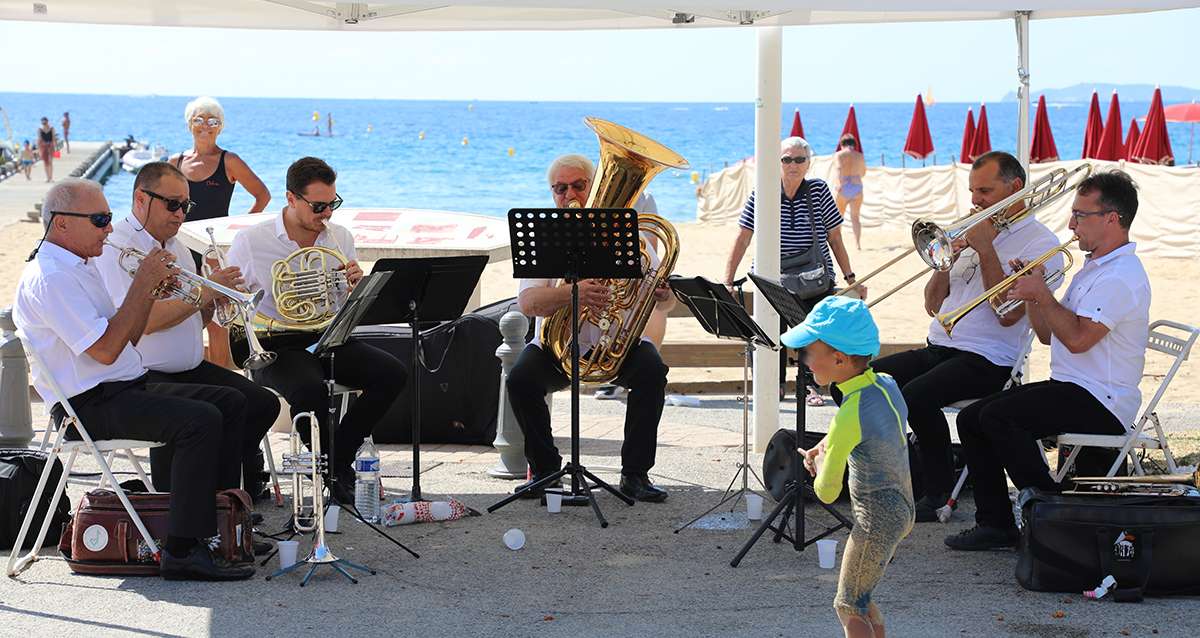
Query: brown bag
x,y
101,539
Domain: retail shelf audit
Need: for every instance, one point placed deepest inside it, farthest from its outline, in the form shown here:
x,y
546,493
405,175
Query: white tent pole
x,y
1023,142
767,117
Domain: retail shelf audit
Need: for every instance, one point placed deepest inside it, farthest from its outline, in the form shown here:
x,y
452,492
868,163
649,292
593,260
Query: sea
x,y
487,157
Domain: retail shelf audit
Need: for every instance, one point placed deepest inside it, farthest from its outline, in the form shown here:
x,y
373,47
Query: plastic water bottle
x,y
366,481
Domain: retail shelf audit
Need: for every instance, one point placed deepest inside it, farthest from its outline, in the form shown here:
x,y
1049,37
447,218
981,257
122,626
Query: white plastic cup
x,y
514,539
553,501
287,553
754,504
827,552
331,518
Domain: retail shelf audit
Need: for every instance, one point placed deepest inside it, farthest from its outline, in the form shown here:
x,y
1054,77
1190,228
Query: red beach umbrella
x,y
981,142
1093,130
851,127
1154,146
797,127
1189,113
1043,148
964,155
1131,139
919,144
1112,148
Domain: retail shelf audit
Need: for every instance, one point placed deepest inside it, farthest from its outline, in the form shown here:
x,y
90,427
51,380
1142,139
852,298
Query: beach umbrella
x,y
981,142
1112,148
1043,148
919,144
797,127
1189,113
964,155
1154,146
1093,130
851,127
1131,139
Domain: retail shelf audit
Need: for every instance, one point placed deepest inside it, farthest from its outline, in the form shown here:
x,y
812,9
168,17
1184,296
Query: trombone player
x,y
172,342
1097,337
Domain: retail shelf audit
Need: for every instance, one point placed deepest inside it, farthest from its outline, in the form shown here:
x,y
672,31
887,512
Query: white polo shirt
x,y
63,309
1115,291
257,248
178,348
980,330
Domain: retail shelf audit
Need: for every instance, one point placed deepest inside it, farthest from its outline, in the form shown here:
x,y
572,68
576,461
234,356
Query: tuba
x,y
628,161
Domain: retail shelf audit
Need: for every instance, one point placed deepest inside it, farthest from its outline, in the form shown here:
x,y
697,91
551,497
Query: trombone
x,y
935,243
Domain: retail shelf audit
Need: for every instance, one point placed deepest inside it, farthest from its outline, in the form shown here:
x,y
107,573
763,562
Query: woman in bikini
x,y
851,167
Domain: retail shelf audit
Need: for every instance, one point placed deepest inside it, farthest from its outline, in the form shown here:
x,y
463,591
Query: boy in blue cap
x,y
840,338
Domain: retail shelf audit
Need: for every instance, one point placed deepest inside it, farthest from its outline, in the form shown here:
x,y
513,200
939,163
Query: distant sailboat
x,y
929,101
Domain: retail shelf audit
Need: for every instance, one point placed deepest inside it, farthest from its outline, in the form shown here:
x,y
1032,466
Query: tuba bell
x,y
628,161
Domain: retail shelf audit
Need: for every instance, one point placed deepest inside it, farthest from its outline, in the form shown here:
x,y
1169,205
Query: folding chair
x,y
101,451
1136,435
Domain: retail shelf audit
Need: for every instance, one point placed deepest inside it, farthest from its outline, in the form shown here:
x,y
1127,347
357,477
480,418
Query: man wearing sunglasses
x,y
298,374
1097,336
87,344
172,343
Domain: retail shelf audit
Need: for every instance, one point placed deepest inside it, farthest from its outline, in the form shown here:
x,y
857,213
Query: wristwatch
x,y
849,277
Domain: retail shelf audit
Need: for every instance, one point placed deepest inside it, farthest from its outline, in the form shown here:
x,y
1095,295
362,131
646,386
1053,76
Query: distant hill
x,y
1130,92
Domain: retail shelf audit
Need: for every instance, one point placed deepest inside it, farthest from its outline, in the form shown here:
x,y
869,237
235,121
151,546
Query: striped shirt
x,y
795,232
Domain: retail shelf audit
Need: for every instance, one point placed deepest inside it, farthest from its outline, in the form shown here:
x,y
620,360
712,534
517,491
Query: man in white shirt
x,y
537,372
976,360
172,345
298,374
1097,336
88,344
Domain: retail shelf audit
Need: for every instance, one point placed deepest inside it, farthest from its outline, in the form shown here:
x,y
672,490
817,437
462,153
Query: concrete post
x,y
510,441
16,420
1023,97
767,120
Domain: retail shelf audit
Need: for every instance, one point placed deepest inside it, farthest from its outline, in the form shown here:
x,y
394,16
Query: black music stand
x,y
574,244
799,488
405,300
723,317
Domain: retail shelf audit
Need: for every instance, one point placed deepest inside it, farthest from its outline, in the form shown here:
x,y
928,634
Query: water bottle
x,y
366,481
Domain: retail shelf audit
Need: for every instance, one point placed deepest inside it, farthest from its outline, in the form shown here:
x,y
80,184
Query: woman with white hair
x,y
809,219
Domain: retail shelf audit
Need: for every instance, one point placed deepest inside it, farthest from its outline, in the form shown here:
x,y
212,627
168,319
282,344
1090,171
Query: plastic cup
x,y
331,518
287,553
514,539
827,552
754,504
553,501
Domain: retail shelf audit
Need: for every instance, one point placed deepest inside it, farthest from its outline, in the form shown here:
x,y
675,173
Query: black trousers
x,y
1001,433
262,406
203,424
299,376
536,372
930,379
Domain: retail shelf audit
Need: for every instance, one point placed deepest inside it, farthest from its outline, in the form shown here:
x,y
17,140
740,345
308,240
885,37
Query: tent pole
x,y
768,109
1023,143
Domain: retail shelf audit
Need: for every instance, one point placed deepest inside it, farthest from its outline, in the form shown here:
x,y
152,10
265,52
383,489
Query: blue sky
x,y
961,62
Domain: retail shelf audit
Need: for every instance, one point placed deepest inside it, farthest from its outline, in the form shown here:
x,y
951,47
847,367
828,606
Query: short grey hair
x,y
793,143
203,104
570,161
63,196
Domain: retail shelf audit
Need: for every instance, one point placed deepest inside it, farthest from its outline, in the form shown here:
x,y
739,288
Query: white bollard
x,y
510,441
16,419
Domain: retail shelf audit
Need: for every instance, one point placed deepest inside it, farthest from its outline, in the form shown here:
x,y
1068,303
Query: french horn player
x,y
306,264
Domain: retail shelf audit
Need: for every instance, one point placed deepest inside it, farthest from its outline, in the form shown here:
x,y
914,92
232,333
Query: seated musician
x,y
1097,336
298,374
977,359
88,344
537,372
172,343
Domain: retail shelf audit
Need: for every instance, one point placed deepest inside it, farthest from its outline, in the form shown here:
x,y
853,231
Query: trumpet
x,y
308,510
996,295
224,313
1146,485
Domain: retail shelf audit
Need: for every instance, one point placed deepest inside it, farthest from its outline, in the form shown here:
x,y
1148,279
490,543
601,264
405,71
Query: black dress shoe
x,y
201,564
526,493
639,488
982,538
927,508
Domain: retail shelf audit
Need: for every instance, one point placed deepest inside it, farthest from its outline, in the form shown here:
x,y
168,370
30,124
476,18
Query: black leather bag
x,y
805,273
1069,543
20,470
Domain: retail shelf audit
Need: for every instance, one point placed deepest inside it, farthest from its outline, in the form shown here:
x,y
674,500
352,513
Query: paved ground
x,y
18,195
635,578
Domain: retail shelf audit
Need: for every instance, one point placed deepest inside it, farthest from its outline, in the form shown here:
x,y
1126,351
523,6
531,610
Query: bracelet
x,y
849,277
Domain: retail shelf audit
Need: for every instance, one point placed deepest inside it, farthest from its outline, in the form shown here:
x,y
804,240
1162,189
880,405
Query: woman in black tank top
x,y
46,148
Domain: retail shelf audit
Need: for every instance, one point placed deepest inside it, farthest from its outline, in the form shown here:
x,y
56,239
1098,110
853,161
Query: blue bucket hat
x,y
843,323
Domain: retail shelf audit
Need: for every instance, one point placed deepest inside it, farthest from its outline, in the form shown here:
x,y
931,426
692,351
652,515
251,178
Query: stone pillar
x,y
510,441
16,420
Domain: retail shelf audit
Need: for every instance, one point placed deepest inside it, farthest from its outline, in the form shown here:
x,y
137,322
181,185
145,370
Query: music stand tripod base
x,y
319,556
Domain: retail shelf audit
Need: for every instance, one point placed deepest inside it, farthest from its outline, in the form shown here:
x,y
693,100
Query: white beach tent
x,y
769,16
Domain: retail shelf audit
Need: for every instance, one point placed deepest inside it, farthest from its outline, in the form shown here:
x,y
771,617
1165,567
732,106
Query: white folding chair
x,y
1136,437
101,451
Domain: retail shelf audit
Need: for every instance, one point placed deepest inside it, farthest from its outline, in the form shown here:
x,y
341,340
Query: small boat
x,y
134,159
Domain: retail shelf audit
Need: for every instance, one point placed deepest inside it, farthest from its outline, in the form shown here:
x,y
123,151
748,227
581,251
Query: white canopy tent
x,y
567,15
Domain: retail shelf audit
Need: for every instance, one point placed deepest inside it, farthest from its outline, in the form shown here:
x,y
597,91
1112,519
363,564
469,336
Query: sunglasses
x,y
793,160
173,205
99,220
212,122
319,207
578,186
